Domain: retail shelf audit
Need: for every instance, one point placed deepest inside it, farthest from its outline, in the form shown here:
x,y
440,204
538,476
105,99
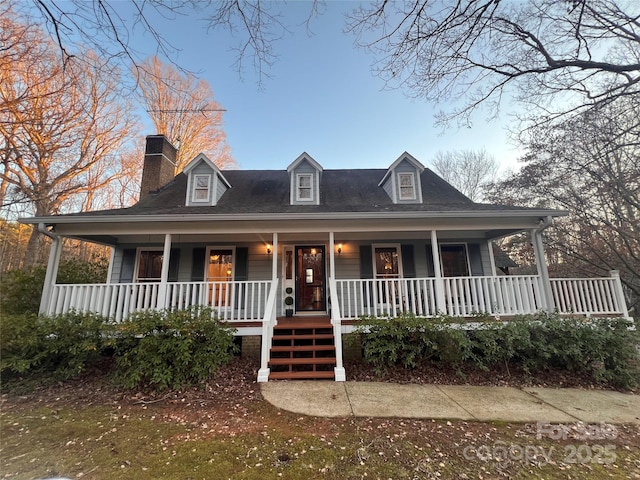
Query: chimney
x,y
159,164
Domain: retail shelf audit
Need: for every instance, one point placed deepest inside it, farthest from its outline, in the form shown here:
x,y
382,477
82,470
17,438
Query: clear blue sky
x,y
321,98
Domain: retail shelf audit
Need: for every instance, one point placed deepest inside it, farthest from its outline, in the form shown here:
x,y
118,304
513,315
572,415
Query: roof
x,y
258,192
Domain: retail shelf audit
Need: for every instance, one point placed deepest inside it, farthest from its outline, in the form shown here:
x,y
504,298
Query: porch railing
x,y
589,296
466,296
229,301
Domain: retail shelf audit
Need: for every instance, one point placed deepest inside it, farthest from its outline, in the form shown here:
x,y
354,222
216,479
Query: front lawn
x,y
87,428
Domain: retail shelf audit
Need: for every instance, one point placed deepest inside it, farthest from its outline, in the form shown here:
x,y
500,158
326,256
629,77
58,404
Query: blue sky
x,y
321,98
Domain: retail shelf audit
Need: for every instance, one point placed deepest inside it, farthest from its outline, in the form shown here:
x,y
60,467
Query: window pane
x,y
150,265
305,180
407,190
202,182
386,259
454,260
304,193
220,265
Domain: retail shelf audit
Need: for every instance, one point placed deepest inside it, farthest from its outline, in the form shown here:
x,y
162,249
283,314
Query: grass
x,y
256,441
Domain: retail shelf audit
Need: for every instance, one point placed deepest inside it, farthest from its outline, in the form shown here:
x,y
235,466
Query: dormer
x,y
205,182
402,180
304,181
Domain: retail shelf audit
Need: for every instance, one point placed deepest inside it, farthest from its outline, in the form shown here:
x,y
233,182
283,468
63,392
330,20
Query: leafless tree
x,y
589,165
62,129
467,170
559,56
184,109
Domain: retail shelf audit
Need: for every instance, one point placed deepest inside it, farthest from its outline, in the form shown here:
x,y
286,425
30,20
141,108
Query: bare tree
x,y
558,55
589,165
184,109
61,129
467,170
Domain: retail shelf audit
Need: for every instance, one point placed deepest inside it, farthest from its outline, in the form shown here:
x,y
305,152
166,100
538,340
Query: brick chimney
x,y
159,164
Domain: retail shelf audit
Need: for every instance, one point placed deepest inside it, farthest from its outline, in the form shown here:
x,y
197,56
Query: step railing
x,y
268,323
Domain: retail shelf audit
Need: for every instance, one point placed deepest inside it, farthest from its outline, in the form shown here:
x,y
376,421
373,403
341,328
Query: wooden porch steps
x,y
302,348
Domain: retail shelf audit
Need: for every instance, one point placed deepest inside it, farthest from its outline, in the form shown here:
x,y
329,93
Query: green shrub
x,y
605,350
61,347
21,289
171,349
407,340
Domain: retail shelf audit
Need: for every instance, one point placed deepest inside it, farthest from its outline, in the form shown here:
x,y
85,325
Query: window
x,y
455,261
406,181
149,265
386,261
219,272
304,190
201,188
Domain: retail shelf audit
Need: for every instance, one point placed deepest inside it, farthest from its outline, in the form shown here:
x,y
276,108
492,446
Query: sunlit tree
x,y
63,128
184,109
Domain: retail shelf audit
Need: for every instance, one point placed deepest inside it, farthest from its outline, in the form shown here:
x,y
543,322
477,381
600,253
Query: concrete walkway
x,y
370,399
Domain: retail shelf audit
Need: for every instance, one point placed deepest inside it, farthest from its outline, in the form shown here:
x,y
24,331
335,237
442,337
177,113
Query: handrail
x,y
336,321
268,322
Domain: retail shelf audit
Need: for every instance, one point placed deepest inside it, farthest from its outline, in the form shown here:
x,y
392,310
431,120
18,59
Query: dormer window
x,y
205,182
201,188
304,190
406,182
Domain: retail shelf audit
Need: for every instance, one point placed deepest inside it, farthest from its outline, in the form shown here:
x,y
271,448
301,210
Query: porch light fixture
x,y
268,249
339,248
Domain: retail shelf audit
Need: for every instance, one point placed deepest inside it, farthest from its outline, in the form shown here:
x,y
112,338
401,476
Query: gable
x,y
304,181
205,182
402,181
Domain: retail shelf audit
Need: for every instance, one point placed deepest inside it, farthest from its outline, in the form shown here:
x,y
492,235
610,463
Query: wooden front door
x,y
310,283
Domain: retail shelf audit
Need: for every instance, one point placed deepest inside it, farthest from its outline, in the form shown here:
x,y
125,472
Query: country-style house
x,y
292,258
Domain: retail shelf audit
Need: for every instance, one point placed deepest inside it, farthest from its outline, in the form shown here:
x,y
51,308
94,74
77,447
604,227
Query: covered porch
x,y
253,306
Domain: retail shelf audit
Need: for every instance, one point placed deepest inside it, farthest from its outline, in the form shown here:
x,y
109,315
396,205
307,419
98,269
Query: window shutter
x,y
128,265
475,258
197,265
431,271
241,266
174,264
366,265
408,261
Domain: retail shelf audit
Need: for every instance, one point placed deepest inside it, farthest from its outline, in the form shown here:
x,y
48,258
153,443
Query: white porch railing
x,y
466,296
229,301
589,296
247,301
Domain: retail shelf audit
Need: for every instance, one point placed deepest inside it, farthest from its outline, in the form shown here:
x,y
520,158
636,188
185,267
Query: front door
x,y
310,273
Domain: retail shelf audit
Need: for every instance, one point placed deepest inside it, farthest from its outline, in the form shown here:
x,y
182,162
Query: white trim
x,y
78,219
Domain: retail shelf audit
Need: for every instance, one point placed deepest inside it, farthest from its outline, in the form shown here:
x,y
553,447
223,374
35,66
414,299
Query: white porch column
x,y
541,266
112,257
274,263
339,372
51,275
441,304
332,256
619,292
163,300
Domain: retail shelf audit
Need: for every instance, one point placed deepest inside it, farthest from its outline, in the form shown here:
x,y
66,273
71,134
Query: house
x,y
331,246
